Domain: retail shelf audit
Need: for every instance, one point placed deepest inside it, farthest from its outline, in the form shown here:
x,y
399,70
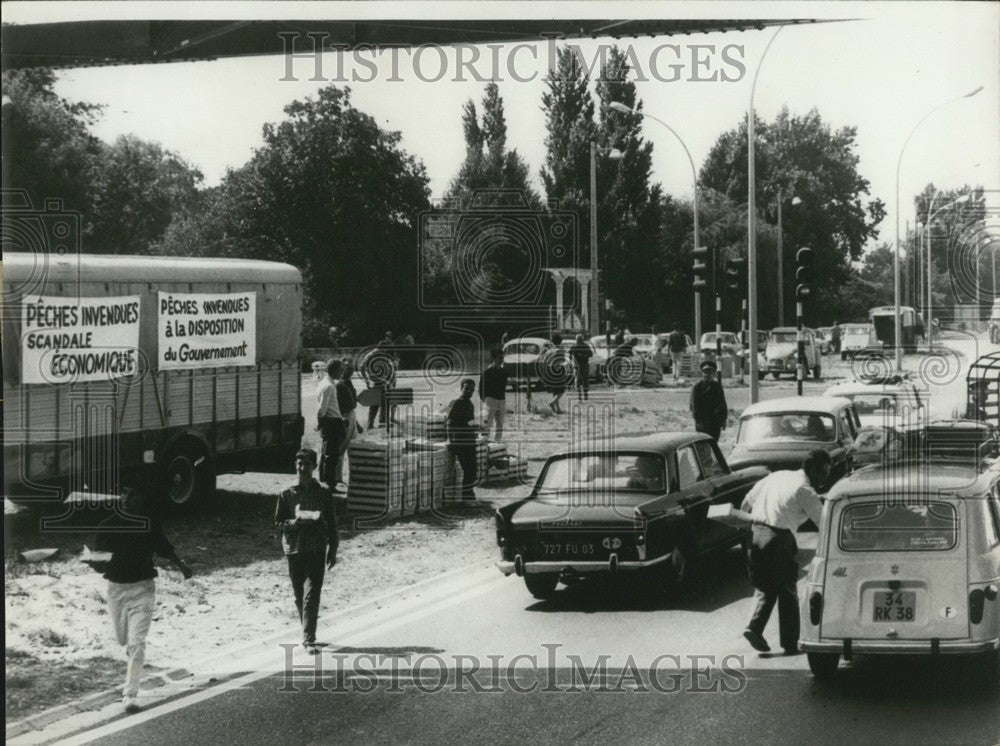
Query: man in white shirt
x,y
330,422
779,504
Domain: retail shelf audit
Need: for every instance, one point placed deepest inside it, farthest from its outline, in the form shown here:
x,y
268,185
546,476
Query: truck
x,y
173,368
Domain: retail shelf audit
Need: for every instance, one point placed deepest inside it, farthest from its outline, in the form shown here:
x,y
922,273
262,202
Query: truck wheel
x,y
823,665
775,376
188,476
541,585
843,356
816,371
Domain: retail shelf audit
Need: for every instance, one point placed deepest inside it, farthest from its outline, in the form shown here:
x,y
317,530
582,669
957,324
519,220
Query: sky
x,y
881,73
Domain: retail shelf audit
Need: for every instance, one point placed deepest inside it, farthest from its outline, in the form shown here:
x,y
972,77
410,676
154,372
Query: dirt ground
x,y
59,643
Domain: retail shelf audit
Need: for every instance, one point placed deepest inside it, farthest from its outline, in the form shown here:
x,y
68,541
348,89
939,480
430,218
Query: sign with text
x,y
206,330
87,339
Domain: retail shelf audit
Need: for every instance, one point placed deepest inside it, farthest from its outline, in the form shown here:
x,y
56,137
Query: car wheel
x,y
541,585
775,376
843,356
816,371
760,376
823,665
189,477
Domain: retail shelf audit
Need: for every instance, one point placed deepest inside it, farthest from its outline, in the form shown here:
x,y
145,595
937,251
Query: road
x,y
688,678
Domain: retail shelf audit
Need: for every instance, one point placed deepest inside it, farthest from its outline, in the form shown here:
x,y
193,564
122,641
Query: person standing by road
x,y
347,401
330,422
581,353
708,402
378,369
132,536
835,337
677,344
308,522
554,370
779,504
461,429
493,393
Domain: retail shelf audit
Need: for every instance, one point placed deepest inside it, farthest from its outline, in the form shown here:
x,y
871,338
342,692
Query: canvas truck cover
x,y
114,300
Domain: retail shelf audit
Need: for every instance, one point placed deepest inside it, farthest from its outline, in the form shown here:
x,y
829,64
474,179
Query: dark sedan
x,y
636,503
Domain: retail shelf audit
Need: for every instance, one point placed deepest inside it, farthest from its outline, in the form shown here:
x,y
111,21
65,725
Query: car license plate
x,y
566,549
894,606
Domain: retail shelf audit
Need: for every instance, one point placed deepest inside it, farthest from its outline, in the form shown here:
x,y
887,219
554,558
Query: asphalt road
x,y
675,669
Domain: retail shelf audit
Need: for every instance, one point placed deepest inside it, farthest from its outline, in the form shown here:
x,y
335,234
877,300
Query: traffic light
x,y
804,273
700,254
736,274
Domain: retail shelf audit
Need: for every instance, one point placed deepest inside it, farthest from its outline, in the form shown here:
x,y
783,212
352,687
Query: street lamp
x,y
624,109
595,291
781,258
927,241
898,327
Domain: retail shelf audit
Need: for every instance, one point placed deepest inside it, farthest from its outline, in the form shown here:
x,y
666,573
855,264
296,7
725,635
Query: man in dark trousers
x,y
708,402
779,504
378,369
308,523
493,393
461,425
581,354
835,338
132,536
330,422
677,343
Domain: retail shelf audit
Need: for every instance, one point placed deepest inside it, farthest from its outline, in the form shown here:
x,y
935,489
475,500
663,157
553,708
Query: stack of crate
x,y
423,424
503,466
411,483
377,476
432,465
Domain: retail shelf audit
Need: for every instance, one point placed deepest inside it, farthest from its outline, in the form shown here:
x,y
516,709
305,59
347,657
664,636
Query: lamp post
x,y
781,259
752,227
927,241
898,326
624,109
595,290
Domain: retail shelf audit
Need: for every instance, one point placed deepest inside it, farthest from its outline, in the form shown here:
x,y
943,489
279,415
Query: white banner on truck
x,y
87,339
206,330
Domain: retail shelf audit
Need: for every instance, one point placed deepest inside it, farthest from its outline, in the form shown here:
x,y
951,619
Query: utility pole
x,y
781,261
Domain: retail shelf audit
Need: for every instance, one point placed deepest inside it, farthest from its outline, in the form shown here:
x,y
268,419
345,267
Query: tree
x,y
332,193
48,150
801,156
138,189
629,212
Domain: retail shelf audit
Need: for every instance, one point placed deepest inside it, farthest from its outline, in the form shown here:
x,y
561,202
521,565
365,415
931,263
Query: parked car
x,y
594,364
520,359
646,346
897,403
914,575
782,352
730,344
825,342
637,503
855,338
778,433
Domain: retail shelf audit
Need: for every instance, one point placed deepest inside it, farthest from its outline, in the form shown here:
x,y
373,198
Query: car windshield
x,y
879,527
604,472
787,426
725,338
782,337
645,340
876,402
855,329
522,348
876,440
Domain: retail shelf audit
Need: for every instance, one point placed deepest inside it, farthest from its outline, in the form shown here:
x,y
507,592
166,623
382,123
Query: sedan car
x,y
778,433
823,336
912,575
521,356
730,344
782,352
898,404
662,341
855,338
604,508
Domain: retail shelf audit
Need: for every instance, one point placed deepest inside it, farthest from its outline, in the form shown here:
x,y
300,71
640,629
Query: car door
x,y
695,491
843,456
727,489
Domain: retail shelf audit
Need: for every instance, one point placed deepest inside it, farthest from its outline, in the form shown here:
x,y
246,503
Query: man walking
x,y
493,393
708,402
835,337
461,428
330,422
779,504
308,523
581,354
132,537
677,344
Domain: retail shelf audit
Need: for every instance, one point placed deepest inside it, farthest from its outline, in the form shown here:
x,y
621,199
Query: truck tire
x,y
823,665
188,477
843,356
816,371
775,376
541,585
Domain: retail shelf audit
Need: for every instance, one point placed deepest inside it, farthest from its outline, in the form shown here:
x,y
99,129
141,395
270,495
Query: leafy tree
x,y
801,156
48,150
332,193
138,189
